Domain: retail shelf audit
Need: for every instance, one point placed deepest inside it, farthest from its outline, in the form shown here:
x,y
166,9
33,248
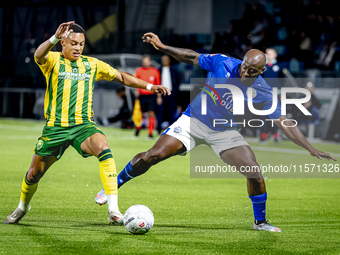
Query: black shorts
x,y
147,102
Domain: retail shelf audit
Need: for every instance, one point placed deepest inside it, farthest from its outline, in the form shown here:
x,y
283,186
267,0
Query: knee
x,y
35,173
100,144
252,171
249,168
102,147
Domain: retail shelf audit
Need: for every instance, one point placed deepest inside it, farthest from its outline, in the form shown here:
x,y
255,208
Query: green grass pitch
x,y
192,216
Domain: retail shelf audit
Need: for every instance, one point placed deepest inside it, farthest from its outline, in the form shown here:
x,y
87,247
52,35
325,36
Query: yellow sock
x,y
108,173
27,191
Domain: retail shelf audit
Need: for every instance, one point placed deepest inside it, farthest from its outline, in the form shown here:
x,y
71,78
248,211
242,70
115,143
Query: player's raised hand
x,y
160,90
64,30
320,155
153,39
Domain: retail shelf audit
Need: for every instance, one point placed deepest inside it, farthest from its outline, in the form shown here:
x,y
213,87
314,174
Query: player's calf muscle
x,y
146,159
143,161
35,174
38,167
156,155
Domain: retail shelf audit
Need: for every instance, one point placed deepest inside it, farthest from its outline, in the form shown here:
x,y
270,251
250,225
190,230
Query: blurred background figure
x,y
124,113
313,106
302,37
147,100
272,74
166,105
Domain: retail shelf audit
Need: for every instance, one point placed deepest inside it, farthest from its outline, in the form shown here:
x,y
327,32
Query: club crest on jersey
x,y
253,92
177,130
87,65
40,144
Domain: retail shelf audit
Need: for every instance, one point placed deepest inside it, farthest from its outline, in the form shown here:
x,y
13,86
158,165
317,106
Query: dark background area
x,y
305,34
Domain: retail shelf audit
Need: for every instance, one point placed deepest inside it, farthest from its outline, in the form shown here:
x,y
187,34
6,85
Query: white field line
x,y
19,137
21,128
121,136
110,134
288,151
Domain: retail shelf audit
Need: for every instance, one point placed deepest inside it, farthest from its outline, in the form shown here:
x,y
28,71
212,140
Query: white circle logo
x,y
253,93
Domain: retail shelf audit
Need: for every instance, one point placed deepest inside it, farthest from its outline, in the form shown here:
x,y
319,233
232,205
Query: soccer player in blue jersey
x,y
192,127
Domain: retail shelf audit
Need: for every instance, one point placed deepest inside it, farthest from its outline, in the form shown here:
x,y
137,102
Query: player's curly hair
x,y
76,28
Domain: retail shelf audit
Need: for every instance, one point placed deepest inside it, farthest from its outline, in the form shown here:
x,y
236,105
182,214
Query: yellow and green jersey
x,y
69,92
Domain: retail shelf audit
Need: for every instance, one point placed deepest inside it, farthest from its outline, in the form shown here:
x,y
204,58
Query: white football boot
x,y
266,227
116,218
15,216
101,198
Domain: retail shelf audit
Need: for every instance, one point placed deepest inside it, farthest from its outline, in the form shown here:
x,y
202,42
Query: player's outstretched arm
x,y
62,32
294,134
132,81
183,55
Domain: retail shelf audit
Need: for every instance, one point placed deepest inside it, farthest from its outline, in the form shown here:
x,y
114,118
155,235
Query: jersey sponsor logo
x,y
112,175
74,76
227,75
210,94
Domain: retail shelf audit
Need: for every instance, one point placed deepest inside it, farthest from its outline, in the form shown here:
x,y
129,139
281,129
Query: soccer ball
x,y
138,219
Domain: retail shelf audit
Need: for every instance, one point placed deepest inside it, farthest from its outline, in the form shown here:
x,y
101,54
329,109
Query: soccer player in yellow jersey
x,y
70,79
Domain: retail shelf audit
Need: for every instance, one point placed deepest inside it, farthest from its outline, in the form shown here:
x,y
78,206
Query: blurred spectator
x,y
124,112
305,43
273,68
313,106
307,30
256,35
170,79
272,74
25,67
147,99
326,56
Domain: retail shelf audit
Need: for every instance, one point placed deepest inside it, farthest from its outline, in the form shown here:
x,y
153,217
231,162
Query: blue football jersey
x,y
225,70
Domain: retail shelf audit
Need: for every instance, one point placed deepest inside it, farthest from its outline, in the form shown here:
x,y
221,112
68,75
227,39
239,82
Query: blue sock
x,y
125,175
259,206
